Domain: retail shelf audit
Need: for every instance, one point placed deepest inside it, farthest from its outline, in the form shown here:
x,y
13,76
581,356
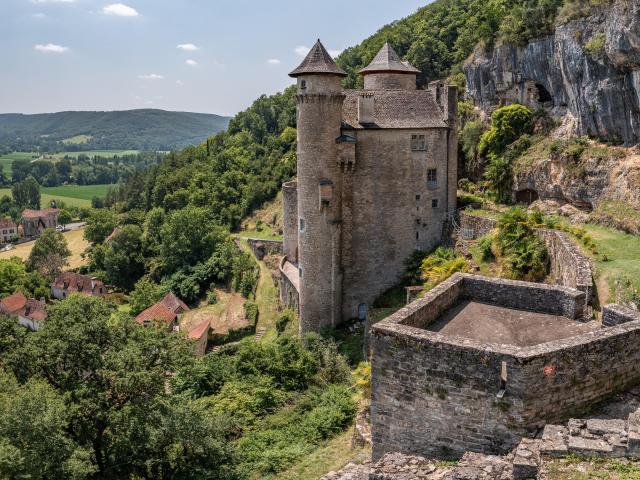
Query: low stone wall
x,y
439,395
613,315
289,285
261,248
568,264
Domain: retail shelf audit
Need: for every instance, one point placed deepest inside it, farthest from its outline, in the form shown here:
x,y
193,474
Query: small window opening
x,y
300,272
503,380
303,84
418,143
417,235
302,225
417,197
434,203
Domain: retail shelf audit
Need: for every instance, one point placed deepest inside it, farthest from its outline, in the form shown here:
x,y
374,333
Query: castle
x,y
376,179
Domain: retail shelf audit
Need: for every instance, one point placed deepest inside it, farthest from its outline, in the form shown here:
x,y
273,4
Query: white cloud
x,y
191,63
179,83
274,61
39,15
188,47
334,53
120,10
151,76
302,50
51,48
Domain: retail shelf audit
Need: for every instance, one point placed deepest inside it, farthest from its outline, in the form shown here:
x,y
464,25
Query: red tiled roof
x,y
13,303
173,303
156,312
34,310
39,213
74,282
7,223
199,330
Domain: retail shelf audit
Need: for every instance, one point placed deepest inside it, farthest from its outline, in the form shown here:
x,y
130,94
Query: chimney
x,y
365,109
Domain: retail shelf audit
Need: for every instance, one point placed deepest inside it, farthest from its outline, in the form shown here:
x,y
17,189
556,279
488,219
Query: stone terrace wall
x,y
288,286
568,265
436,395
260,247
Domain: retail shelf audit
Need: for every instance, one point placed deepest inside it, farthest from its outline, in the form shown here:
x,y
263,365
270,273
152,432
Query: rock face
x,y
591,86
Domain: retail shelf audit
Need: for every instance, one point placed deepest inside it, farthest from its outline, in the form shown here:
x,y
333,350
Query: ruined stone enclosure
x,y
478,363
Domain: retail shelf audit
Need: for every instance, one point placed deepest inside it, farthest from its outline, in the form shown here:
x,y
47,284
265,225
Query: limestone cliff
x,y
586,74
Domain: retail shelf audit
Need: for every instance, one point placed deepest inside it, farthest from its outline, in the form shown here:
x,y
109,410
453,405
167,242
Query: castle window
x,y
434,203
301,225
417,197
303,84
417,235
432,178
418,143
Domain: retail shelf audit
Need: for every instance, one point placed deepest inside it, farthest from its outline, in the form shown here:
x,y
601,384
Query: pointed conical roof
x,y
387,60
318,61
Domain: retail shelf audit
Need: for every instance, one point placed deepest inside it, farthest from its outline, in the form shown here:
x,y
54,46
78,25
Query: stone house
x,y
167,311
30,312
34,222
200,334
376,180
68,283
8,230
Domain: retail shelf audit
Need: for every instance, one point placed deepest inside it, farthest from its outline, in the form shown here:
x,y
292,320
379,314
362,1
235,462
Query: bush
x,y
440,265
507,125
596,45
212,297
332,366
485,244
251,312
284,319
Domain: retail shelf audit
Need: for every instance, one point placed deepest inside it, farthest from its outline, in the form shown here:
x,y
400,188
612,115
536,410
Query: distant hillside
x,y
130,129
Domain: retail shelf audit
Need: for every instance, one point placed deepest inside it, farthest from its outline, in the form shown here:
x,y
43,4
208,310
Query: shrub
x,y
332,366
507,124
284,319
485,244
440,265
212,297
596,45
251,312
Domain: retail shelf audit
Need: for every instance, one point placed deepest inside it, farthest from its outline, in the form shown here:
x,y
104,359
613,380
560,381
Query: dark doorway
x,y
543,94
527,196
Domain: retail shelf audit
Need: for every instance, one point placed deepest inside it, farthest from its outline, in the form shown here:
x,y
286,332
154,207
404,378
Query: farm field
x,y
75,240
6,160
72,195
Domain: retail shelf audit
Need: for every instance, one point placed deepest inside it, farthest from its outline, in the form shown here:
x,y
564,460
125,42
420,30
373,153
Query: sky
x,y
211,56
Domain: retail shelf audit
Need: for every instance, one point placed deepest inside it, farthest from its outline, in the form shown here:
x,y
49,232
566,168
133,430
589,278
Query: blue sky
x,y
213,56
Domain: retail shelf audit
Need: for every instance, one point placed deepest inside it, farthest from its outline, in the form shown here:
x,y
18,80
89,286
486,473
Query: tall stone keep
x,y
376,180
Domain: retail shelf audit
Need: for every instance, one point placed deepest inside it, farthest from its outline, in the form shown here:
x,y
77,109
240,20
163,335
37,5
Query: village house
x,y
167,311
68,283
30,312
34,222
8,230
200,334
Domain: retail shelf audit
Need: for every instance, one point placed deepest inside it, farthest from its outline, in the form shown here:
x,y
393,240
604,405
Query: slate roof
x,y
394,109
13,303
318,61
387,60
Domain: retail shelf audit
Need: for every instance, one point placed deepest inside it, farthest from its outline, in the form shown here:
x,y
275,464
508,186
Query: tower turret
x,y
388,72
319,100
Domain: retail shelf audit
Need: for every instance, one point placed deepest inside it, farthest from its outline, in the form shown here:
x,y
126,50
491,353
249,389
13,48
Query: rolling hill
x,y
146,129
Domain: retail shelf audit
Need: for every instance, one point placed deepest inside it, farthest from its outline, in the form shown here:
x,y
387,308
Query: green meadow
x,y
72,195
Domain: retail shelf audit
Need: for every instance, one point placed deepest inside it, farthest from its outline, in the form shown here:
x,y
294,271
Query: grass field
x,y
75,240
6,160
71,195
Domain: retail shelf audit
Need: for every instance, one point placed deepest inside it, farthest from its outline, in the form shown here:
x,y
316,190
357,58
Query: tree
x,y
26,193
100,224
145,293
49,254
12,273
20,170
123,260
64,218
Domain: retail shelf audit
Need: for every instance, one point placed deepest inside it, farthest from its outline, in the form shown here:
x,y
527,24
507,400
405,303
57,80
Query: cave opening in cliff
x,y
526,196
543,94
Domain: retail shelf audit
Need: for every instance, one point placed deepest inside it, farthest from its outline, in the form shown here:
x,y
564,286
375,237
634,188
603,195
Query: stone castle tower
x,y
376,179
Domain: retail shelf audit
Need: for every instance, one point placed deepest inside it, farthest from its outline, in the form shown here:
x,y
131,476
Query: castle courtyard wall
x,y
437,395
382,212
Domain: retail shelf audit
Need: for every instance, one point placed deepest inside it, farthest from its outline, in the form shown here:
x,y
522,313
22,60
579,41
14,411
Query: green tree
x,y
49,254
26,193
36,286
64,218
123,259
100,224
12,273
145,293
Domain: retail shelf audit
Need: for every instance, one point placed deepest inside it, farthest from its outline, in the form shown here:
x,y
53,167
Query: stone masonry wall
x,y
568,265
436,395
260,247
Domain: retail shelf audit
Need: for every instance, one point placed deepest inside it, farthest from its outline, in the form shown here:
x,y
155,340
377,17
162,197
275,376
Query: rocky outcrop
x,y
587,74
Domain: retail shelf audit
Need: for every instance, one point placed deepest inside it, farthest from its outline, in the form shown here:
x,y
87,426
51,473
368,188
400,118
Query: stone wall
x,y
290,220
569,266
288,285
438,395
261,248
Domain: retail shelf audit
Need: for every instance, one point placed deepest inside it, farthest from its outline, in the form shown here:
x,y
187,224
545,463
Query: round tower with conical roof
x,y
320,98
388,72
